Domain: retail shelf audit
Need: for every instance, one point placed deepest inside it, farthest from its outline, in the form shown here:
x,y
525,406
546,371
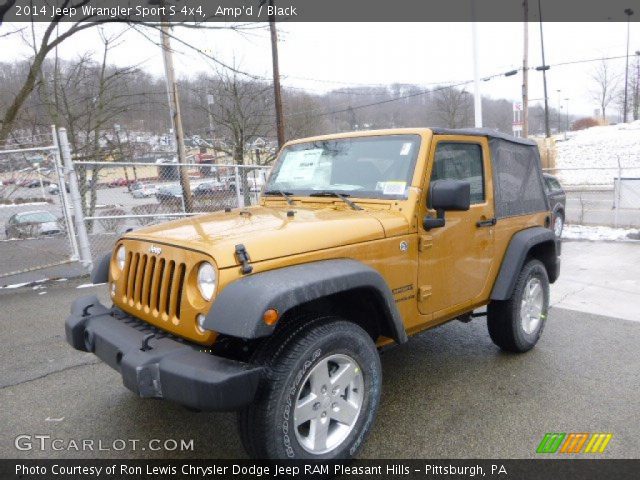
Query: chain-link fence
x,y
607,196
33,208
117,196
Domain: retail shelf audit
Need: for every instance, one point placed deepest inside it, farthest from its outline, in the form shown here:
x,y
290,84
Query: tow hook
x,y
145,342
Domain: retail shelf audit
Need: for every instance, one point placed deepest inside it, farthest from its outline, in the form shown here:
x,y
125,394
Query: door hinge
x,y
426,241
424,292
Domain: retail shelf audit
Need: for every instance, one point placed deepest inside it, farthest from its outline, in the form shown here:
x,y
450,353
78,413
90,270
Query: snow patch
x,y
13,205
600,234
602,147
16,285
89,285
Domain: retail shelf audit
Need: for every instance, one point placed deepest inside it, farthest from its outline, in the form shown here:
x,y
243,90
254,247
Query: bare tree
x,y
452,107
241,113
298,109
87,97
47,43
605,83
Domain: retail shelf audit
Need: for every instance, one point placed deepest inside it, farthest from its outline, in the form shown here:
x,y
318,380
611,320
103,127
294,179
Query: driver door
x,y
455,261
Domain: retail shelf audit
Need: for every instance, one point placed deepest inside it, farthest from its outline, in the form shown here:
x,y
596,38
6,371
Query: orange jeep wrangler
x,y
359,241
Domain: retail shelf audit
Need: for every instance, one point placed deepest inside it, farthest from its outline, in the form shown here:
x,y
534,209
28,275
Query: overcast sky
x,y
324,56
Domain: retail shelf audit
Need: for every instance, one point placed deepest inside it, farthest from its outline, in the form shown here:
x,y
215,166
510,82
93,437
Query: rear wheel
x,y
516,324
319,395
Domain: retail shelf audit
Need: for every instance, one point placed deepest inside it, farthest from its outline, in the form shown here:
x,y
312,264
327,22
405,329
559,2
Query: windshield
x,y
366,167
37,217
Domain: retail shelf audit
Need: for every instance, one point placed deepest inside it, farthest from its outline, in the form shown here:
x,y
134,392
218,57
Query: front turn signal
x,y
270,317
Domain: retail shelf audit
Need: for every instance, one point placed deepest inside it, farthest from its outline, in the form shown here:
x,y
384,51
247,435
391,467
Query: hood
x,y
269,233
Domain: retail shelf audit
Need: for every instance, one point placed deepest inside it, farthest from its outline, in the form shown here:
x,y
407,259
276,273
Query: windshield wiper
x,y
281,193
341,196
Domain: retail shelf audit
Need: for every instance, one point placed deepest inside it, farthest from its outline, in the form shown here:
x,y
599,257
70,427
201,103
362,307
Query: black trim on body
x,y
168,368
519,247
238,309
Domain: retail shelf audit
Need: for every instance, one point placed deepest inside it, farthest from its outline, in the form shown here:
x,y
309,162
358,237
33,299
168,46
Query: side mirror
x,y
452,195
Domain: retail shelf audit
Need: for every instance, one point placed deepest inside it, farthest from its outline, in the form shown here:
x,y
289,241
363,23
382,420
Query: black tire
x,y
266,426
504,317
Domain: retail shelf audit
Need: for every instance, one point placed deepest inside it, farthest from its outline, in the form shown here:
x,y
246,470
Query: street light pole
x,y
567,125
636,103
559,108
628,12
525,73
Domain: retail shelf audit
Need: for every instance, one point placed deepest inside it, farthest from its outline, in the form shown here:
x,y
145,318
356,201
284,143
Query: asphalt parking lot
x,y
448,393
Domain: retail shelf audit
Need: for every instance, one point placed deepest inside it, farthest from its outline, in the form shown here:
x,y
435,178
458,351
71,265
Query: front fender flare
x,y
239,308
100,273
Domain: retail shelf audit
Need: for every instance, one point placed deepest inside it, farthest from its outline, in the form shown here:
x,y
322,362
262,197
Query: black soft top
x,y
483,132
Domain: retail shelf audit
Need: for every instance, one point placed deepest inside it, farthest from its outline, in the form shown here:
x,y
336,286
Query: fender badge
x,y
155,250
404,246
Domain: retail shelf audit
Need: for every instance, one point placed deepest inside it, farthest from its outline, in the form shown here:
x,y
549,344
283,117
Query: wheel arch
x,y
344,287
535,242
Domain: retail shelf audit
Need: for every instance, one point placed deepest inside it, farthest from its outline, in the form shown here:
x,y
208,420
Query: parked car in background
x,y
557,202
32,224
145,190
119,182
170,195
54,189
208,188
255,183
36,183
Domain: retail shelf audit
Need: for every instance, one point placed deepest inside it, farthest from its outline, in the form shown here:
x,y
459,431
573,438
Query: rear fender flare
x,y
520,246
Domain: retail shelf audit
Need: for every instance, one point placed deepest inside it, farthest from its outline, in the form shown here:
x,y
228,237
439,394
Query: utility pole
x,y
477,99
176,117
544,69
276,76
636,97
525,73
628,12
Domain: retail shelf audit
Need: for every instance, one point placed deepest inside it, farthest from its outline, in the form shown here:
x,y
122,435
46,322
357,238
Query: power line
x,y
466,82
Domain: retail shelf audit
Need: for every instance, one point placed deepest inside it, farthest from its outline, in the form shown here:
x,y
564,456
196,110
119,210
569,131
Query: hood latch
x,y
243,257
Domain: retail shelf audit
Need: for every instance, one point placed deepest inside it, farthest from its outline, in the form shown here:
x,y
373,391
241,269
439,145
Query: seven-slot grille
x,y
154,285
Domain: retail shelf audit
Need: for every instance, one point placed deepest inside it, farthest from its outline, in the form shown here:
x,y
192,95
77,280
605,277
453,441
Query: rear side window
x,y
460,161
517,178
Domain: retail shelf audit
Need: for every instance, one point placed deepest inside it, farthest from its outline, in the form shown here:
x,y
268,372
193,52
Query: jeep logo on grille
x,y
155,250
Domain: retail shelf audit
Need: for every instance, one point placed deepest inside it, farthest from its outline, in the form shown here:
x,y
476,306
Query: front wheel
x,y
319,395
516,324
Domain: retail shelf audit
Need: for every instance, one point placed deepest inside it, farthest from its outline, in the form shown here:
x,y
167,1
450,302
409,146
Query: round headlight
x,y
121,256
207,280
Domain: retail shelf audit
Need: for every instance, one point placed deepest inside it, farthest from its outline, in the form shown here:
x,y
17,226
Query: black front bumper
x,y
169,367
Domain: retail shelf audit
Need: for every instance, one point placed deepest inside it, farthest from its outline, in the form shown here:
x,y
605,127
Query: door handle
x,y
486,223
